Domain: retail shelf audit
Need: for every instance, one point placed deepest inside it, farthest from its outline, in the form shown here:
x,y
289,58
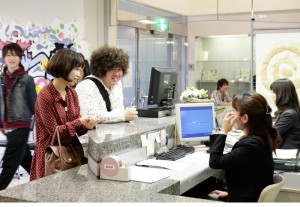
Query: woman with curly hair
x,y
100,94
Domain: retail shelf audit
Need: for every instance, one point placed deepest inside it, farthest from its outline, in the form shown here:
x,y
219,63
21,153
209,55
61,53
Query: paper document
x,y
197,158
168,164
149,174
285,153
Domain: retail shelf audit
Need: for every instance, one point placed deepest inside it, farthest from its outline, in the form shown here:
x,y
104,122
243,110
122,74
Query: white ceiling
x,y
182,11
209,7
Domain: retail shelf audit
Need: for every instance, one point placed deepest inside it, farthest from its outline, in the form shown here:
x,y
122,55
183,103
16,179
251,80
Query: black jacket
x,y
21,100
249,167
288,126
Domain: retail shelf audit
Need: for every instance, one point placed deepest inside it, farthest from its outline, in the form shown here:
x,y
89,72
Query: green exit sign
x,y
162,24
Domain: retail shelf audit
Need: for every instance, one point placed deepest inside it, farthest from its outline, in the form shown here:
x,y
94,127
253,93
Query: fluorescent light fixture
x,y
224,36
170,42
261,16
146,21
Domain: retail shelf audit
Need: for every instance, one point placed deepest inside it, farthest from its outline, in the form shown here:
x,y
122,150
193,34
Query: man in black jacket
x,y
17,100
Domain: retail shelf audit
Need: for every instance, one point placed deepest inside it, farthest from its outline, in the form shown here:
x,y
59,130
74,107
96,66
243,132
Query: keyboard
x,y
176,153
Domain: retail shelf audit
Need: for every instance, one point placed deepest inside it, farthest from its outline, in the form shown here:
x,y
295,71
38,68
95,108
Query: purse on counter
x,y
62,157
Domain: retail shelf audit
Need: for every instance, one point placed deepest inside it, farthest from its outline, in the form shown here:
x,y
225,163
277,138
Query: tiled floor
x,y
23,176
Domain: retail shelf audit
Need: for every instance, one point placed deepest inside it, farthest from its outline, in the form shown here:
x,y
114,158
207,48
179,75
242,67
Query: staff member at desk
x,y
288,113
249,166
221,96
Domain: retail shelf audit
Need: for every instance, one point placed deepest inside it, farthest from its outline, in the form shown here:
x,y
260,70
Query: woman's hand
x,y
88,121
228,121
219,194
130,114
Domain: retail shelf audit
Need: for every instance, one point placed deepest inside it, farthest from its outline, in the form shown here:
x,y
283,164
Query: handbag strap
x,y
56,134
102,90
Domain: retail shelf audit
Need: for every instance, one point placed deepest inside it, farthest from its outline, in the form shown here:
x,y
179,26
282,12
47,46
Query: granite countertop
x,y
81,185
115,131
117,138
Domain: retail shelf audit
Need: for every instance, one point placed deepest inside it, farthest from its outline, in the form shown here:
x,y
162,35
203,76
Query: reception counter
x,y
123,137
82,185
124,140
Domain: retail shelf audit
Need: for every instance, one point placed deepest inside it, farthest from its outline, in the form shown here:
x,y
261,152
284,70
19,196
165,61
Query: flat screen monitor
x,y
195,122
162,86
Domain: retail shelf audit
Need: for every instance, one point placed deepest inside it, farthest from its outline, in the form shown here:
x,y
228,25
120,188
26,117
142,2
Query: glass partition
x,y
223,57
150,49
127,40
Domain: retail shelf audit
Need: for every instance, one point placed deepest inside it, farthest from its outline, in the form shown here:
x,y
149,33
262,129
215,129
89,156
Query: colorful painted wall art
x,y
40,43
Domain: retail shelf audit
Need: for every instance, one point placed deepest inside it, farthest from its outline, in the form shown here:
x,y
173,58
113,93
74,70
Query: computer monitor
x,y
195,122
162,86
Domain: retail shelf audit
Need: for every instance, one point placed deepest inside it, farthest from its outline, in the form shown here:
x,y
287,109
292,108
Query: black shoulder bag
x,y
102,91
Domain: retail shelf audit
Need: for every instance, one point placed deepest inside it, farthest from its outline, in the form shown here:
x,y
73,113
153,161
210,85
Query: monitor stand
x,y
156,112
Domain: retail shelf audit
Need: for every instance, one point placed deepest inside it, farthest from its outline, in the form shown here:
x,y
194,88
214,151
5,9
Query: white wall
x,y
44,12
41,11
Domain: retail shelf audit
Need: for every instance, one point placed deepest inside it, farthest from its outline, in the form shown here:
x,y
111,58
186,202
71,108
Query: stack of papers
x,y
197,158
285,153
166,164
152,170
148,174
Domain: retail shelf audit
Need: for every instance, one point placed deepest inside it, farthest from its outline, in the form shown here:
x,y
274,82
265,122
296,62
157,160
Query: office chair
x,y
269,193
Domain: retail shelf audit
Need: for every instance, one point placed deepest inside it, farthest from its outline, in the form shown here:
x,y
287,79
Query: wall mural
x,y
39,43
277,56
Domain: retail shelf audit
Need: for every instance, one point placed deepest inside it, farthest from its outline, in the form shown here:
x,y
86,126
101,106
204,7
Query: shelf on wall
x,y
239,81
230,81
202,61
208,81
218,57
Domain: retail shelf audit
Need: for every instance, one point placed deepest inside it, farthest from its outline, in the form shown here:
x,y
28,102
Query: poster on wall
x,y
40,42
277,56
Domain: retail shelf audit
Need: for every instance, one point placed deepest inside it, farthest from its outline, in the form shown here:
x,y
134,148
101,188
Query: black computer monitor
x,y
162,86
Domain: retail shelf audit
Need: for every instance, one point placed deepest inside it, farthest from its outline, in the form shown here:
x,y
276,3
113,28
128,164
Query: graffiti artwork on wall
x,y
277,56
39,43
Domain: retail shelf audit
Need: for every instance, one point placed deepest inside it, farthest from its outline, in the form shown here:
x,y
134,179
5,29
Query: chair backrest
x,y
269,193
